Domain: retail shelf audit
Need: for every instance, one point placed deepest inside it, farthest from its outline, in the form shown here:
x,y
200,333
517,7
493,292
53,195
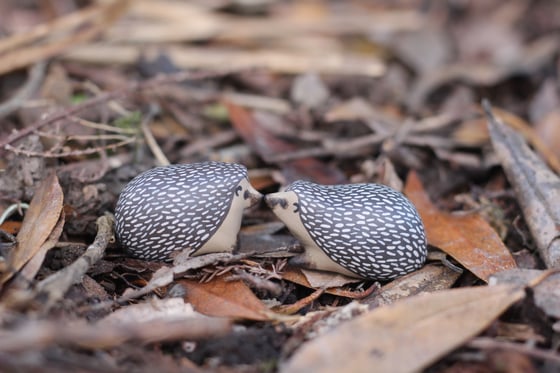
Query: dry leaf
x,y
407,336
225,299
34,264
40,220
469,239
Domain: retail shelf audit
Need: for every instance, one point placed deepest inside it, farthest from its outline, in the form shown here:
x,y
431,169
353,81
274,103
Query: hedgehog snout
x,y
253,196
272,201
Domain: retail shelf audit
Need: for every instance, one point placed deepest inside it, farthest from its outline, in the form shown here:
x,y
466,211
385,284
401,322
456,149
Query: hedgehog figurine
x,y
195,206
366,231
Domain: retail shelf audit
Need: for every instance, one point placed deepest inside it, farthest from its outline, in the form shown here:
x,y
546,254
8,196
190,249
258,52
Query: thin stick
x,y
150,139
57,284
107,96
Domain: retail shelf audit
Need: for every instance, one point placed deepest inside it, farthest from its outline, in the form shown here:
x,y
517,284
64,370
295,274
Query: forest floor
x,y
455,104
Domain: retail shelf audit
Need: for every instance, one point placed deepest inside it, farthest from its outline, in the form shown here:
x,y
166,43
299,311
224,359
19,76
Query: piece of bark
x,y
536,186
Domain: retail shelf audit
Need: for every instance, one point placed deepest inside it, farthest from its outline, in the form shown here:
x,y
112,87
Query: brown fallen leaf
x,y
31,268
469,238
225,299
537,188
11,227
40,220
267,144
407,336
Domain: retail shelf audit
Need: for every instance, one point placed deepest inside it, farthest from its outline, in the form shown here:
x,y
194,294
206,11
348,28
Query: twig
x,y
56,285
36,74
257,282
107,96
491,344
204,144
103,127
73,153
40,334
81,137
149,137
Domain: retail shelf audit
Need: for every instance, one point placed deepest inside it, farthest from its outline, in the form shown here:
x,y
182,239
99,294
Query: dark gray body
x,y
175,207
369,229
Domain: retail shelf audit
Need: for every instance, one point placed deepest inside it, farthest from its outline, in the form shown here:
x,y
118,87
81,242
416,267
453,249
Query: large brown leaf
x,y
468,238
406,336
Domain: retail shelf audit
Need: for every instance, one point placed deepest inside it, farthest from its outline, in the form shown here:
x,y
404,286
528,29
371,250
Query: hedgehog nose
x,y
272,201
253,196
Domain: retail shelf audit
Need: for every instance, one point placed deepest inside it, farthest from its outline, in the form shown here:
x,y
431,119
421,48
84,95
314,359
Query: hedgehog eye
x,y
237,190
296,205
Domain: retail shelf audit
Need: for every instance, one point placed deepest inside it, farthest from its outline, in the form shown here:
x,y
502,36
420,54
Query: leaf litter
x,y
90,96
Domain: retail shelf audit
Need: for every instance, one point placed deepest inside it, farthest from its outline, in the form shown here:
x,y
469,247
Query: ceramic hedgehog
x,y
359,230
195,206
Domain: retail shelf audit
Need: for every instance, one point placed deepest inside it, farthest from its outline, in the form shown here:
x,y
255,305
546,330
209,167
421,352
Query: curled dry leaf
x,y
469,239
537,188
40,220
406,336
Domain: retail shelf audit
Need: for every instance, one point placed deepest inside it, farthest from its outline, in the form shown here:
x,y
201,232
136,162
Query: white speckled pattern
x,y
178,207
369,229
